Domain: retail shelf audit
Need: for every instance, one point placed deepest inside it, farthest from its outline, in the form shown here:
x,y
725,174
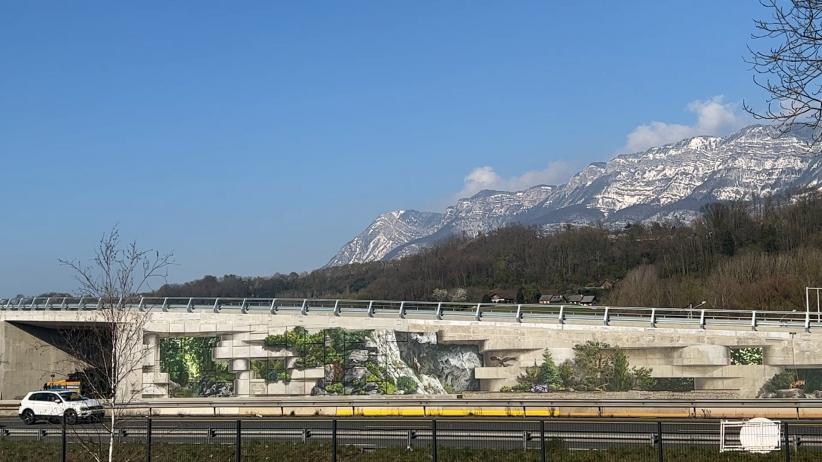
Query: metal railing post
x,y
371,309
63,448
478,314
304,307
434,440
542,440
439,311
787,442
660,450
238,442
148,439
402,310
336,307
334,440
519,313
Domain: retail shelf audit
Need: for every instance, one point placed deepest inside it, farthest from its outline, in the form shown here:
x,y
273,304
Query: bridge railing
x,y
529,313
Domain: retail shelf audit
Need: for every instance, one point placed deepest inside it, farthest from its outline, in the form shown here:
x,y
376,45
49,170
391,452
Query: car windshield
x,y
71,396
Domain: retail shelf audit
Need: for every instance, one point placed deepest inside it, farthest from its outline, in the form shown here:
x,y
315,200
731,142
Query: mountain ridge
x,y
669,182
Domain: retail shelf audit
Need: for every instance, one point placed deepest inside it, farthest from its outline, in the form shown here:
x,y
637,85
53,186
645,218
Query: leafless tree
x,y
112,350
790,66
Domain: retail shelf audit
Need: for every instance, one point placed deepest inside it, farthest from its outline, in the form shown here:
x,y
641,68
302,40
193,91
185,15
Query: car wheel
x,y
28,417
70,416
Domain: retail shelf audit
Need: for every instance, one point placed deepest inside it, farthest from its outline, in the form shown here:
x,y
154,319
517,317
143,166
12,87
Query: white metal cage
x,y
758,435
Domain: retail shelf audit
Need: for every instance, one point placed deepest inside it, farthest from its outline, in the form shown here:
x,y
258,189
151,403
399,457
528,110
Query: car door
x,y
37,403
52,404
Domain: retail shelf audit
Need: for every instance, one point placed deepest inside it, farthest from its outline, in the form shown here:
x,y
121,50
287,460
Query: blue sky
x,y
260,138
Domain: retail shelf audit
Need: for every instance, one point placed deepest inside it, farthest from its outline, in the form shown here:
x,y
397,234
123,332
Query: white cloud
x,y
486,177
714,116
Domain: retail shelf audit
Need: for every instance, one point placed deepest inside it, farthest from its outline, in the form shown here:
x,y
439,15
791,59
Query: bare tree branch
x,y
111,352
790,66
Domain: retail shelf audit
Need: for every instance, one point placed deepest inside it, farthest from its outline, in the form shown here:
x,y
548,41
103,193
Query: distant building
x,y
550,299
574,299
588,300
503,296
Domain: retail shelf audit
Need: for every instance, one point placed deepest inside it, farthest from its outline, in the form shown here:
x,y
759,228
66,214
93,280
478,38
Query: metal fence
x,y
378,440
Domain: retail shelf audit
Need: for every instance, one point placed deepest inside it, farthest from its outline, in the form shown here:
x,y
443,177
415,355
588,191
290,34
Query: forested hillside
x,y
737,255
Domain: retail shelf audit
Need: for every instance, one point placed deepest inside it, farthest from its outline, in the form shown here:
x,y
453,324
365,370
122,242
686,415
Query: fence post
x,y
238,442
434,440
542,440
63,438
787,442
148,439
334,440
660,450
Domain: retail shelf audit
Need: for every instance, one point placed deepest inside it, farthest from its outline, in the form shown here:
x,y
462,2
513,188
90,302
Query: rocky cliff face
x,y
392,357
662,183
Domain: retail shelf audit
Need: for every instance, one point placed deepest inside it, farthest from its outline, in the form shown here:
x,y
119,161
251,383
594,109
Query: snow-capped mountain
x,y
662,183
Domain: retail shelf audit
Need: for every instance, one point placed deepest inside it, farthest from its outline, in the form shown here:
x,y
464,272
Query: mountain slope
x,y
666,182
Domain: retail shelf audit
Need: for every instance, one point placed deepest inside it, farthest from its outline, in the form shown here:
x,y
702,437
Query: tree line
x,y
735,255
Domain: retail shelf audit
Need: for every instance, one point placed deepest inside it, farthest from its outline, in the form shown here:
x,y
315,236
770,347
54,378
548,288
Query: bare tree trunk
x,y
116,350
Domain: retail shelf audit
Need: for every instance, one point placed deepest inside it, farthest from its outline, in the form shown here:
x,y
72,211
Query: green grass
x,y
24,451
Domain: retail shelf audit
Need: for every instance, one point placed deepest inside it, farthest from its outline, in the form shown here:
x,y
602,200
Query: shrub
x,y
407,385
745,356
780,381
335,388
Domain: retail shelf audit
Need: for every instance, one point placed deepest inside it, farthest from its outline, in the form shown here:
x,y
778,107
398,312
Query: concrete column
x,y
242,382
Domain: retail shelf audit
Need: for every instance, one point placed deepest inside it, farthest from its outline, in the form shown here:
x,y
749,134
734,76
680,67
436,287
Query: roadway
x,y
403,432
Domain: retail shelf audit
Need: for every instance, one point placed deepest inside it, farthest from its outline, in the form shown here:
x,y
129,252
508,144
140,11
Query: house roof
x,y
574,298
503,293
588,299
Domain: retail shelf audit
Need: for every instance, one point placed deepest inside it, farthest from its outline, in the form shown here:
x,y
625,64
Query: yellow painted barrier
x,y
662,413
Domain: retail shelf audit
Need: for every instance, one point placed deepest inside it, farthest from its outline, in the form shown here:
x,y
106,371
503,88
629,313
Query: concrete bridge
x,y
674,343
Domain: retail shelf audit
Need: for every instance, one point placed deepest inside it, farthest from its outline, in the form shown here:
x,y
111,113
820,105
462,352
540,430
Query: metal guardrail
x,y
178,403
519,313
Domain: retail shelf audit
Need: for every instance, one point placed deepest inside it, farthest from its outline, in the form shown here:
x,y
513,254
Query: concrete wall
x,y
28,358
671,352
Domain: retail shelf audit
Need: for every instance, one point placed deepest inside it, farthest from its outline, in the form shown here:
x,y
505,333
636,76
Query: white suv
x,y
53,405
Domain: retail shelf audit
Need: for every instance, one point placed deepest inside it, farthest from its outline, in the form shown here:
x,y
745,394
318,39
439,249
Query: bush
x,y
780,381
335,388
746,356
407,385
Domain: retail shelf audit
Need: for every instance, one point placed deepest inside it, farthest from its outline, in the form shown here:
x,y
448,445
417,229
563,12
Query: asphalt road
x,y
404,432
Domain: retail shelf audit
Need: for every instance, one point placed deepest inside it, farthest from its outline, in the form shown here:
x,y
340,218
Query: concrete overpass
x,y
673,342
